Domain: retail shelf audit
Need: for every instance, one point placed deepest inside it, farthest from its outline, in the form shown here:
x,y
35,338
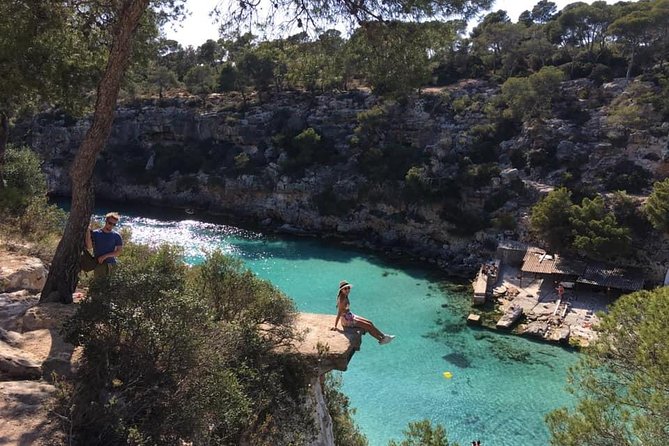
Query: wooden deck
x,y
484,280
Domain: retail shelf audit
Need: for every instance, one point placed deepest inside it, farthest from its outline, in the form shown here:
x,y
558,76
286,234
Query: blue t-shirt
x,y
104,243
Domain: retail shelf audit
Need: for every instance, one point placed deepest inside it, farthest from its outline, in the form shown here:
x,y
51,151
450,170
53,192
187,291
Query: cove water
x,y
501,386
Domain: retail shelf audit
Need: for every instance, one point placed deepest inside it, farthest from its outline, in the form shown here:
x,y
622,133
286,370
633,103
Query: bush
x,y
657,206
596,232
24,208
634,108
175,354
422,433
23,171
345,431
550,219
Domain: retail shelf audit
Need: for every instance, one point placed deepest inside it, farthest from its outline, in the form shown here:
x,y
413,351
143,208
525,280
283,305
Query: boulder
x,y
47,316
16,364
13,306
21,272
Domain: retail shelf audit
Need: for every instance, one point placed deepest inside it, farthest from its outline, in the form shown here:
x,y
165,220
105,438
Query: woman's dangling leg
x,y
368,326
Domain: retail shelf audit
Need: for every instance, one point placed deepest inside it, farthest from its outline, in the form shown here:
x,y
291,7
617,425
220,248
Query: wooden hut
x,y
550,266
611,277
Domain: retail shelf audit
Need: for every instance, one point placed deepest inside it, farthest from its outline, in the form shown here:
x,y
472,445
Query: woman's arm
x,y
340,311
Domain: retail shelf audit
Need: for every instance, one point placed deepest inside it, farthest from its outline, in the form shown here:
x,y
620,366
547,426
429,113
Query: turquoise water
x,y
502,386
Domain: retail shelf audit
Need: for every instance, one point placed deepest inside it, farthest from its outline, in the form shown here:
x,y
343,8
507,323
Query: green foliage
x,y
228,78
174,353
23,171
242,161
657,206
550,219
621,383
629,213
634,109
24,208
422,433
303,150
200,79
163,78
417,183
532,97
596,232
394,56
237,295
389,162
504,221
346,432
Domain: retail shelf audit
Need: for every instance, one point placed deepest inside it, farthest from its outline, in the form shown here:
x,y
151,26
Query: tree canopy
x,y
622,381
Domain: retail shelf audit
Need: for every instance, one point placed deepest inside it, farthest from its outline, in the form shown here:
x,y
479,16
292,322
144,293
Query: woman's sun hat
x,y
344,284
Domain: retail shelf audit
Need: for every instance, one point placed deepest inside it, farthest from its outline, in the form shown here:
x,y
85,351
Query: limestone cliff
x,y
423,177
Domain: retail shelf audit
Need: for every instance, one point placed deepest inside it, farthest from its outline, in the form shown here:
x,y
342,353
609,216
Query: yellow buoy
x,y
448,375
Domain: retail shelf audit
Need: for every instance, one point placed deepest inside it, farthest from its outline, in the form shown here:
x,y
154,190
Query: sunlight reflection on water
x,y
197,238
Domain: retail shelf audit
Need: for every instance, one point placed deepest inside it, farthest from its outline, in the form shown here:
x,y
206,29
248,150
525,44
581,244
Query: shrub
x,y
242,161
24,208
422,433
175,354
532,97
634,108
550,219
345,431
303,150
596,232
657,206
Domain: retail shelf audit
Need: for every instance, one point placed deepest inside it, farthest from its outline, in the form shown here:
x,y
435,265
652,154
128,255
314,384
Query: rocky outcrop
x,y
32,353
22,273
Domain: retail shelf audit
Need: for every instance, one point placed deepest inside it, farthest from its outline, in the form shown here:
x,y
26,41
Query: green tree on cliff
x,y
596,233
422,433
550,219
532,97
622,382
657,206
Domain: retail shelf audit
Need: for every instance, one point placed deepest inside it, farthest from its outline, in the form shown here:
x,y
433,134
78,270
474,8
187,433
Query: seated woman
x,y
349,319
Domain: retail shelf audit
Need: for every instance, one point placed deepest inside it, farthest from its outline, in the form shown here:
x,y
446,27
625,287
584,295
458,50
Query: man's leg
x,y
101,271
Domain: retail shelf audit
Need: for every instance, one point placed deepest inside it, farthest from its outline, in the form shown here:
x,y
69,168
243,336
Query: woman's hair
x,y
339,295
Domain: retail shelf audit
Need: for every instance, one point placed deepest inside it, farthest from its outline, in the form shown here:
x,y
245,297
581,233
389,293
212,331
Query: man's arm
x,y
88,241
115,253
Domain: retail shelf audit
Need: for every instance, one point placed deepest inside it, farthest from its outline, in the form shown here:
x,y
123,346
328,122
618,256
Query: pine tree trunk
x,y
4,135
63,274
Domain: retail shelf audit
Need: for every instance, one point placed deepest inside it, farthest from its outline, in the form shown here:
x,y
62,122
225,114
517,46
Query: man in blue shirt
x,y
106,245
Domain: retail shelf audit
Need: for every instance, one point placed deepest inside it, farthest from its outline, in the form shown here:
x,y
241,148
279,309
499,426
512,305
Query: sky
x,y
199,27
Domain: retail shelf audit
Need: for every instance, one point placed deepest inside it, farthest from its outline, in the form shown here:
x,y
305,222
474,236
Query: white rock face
x,y
324,436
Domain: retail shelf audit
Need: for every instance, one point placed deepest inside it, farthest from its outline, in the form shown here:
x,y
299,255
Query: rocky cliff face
x,y
424,177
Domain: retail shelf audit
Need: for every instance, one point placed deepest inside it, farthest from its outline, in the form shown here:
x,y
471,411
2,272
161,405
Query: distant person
x,y
106,245
349,319
560,290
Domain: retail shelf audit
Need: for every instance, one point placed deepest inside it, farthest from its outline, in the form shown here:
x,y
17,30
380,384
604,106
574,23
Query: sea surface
x,y
500,387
